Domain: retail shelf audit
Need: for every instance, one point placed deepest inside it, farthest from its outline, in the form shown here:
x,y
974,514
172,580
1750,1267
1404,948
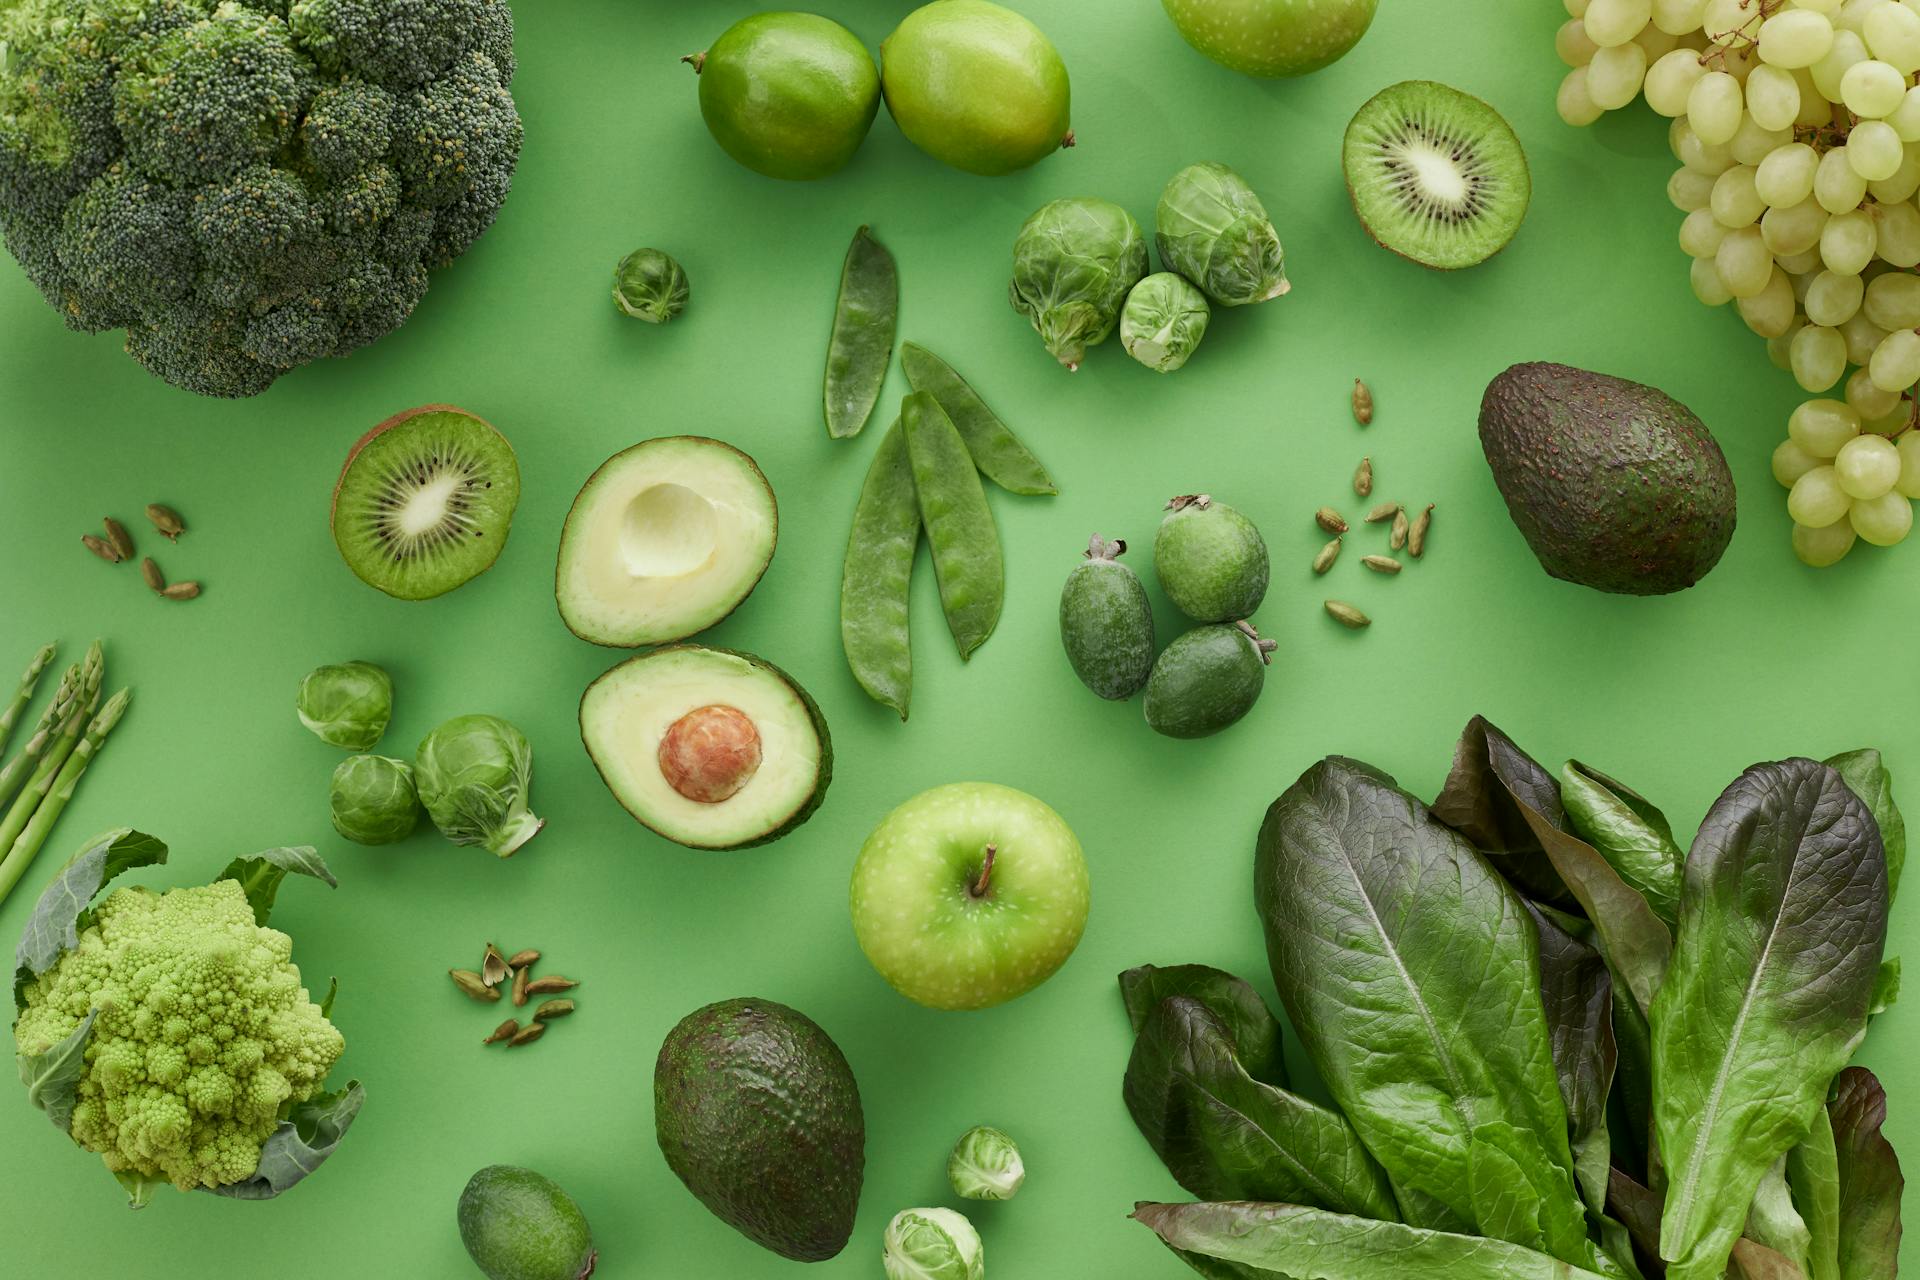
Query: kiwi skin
x,y
400,419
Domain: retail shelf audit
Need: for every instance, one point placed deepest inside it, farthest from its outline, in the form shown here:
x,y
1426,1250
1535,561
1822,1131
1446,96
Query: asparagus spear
x,y
23,695
14,774
28,843
72,726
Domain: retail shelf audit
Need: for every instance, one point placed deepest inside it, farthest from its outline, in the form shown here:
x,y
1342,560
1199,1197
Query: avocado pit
x,y
710,753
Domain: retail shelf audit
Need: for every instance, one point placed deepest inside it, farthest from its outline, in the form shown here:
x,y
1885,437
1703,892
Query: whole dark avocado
x,y
1615,485
758,1113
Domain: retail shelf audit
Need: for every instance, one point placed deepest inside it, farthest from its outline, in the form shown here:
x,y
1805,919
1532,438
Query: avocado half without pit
x,y
710,748
665,539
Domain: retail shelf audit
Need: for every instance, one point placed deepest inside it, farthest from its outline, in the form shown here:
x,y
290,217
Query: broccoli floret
x,y
247,185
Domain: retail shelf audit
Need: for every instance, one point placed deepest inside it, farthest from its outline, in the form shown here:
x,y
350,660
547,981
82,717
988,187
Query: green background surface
x,y
1676,695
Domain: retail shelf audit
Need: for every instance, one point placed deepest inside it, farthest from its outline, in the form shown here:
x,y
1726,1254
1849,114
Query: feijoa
x,y
1106,623
790,95
519,1225
1207,679
1211,560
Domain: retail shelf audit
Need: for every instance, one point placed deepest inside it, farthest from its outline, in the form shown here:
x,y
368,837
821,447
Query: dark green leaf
x,y
260,875
1576,991
1870,1181
1772,1219
1255,1031
1490,780
1411,973
1316,1245
1783,915
326,1005
1225,1135
1751,1260
1628,831
308,1135
58,916
1633,940
1866,775
1633,1084
1220,1268
53,1075
1813,1174
1637,1209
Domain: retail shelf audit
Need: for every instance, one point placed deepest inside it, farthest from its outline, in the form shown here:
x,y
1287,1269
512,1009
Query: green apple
x,y
969,895
1273,37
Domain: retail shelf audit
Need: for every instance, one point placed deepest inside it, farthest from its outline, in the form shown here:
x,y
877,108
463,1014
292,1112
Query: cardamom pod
x,y
150,572
527,1034
470,982
180,591
520,976
493,966
1328,554
117,534
1347,616
1417,538
1363,477
553,1009
1362,402
505,1031
1330,520
1398,538
166,520
521,959
547,986
1385,511
1381,564
101,547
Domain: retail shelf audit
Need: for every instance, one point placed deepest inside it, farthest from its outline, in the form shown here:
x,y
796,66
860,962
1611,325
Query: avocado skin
x,y
1615,485
757,1112
520,1225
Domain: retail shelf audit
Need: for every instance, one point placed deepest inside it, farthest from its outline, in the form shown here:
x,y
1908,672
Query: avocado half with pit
x,y
711,748
665,539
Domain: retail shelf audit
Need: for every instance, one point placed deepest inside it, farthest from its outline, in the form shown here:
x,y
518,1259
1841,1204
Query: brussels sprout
x,y
1073,264
474,773
347,704
649,285
932,1244
1163,322
985,1165
373,799
1214,231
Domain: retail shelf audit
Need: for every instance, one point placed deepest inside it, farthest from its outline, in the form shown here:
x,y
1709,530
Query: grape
x,y
1575,8
1872,88
1892,32
1828,7
1793,231
1802,265
1816,499
1832,299
1744,261
1773,95
1819,354
1735,199
1680,17
1714,107
1896,365
1790,462
1904,182
1688,190
1815,111
1770,312
1884,520
1571,43
1819,548
1836,185
1821,427
1874,149
1711,289
1848,48
1656,43
1780,349
1867,399
1893,300
1614,76
1897,241
1701,234
1863,337
1670,79
1867,466
1847,242
1575,103
1785,176
1795,38
1906,117
1614,22
1909,482
1751,143
1712,160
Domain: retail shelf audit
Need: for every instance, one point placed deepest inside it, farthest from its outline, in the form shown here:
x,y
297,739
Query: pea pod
x,y
862,343
953,508
878,572
995,449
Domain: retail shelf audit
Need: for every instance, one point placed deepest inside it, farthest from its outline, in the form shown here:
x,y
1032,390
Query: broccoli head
x,y
247,187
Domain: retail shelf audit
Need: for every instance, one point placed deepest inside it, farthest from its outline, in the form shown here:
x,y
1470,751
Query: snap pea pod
x,y
995,449
877,574
862,343
953,508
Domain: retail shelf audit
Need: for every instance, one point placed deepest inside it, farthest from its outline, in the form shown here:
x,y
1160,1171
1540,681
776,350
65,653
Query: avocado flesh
x,y
665,539
758,1113
1615,485
627,712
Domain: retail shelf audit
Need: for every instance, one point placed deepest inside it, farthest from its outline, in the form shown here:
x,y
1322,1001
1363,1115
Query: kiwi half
x,y
425,500
1436,175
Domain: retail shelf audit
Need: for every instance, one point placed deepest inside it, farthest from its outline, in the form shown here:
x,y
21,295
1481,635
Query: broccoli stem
x,y
73,725
27,844
24,693
14,774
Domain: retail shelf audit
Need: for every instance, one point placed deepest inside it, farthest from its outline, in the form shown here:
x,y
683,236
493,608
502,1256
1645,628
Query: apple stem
x,y
979,887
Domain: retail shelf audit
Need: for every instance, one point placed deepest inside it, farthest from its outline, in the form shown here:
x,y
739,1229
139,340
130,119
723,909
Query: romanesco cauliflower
x,y
203,1038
